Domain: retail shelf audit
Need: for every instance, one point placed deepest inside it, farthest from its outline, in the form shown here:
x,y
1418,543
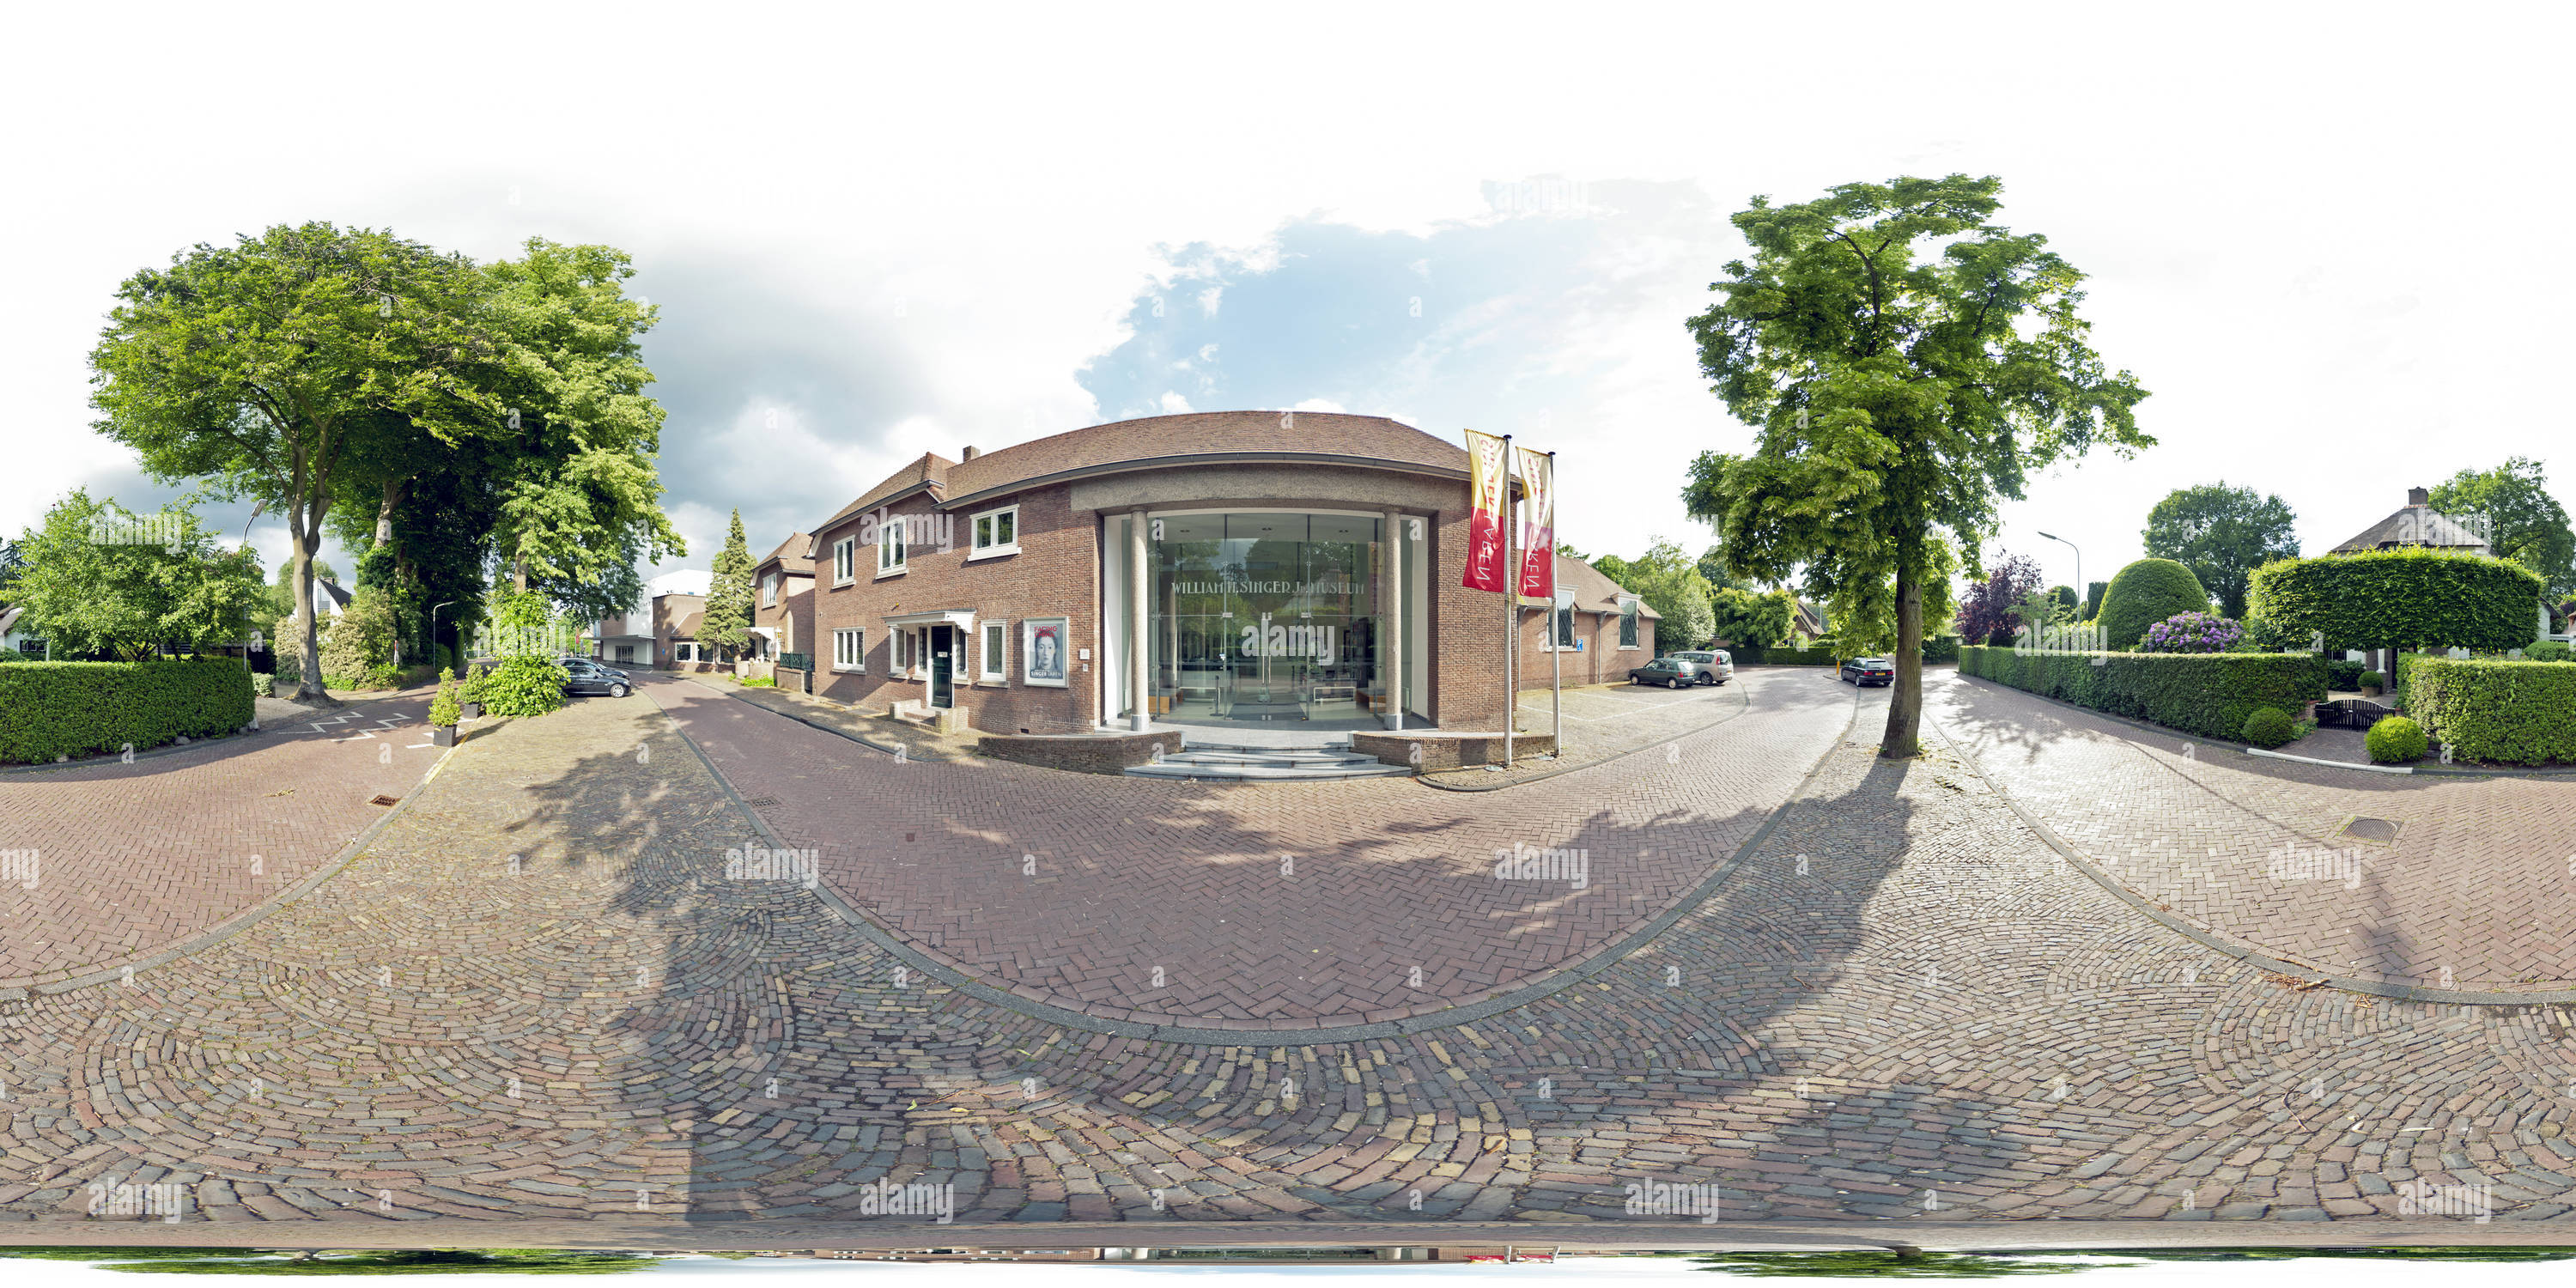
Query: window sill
x,y
892,572
838,582
992,552
849,670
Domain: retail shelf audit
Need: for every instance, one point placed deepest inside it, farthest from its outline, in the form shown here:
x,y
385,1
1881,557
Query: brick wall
x,y
1600,661
1054,575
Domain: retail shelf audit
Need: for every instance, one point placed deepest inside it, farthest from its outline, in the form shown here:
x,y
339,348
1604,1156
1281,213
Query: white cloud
x,y
1173,404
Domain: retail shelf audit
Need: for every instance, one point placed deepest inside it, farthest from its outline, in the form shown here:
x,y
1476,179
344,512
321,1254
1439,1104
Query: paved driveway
x,y
133,859
1264,906
2465,884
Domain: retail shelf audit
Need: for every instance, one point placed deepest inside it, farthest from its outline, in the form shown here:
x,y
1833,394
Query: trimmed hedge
x,y
50,709
2395,741
2145,593
1799,657
2513,713
1941,648
2407,597
2210,694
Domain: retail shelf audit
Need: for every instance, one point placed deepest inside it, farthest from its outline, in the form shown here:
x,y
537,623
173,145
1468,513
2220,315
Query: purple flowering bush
x,y
2192,633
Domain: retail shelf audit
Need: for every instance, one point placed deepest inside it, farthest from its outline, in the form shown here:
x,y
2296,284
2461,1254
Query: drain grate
x,y
762,802
2377,831
385,800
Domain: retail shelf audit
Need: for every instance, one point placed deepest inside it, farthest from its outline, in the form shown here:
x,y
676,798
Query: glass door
x,y
943,669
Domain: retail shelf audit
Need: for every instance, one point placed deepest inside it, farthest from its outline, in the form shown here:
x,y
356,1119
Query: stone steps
x,y
1269,764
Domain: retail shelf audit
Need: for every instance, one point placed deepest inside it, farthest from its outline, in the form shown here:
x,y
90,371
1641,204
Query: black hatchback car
x,y
1862,671
1670,672
586,675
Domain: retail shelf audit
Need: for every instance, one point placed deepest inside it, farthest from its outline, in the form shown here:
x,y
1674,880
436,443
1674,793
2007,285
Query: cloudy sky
x,y
2320,237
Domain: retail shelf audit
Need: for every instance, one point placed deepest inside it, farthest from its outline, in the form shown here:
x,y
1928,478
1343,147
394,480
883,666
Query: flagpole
x,y
1555,660
1511,609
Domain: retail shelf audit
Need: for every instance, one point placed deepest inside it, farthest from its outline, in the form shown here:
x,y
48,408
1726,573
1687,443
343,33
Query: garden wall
x,y
2209,694
50,709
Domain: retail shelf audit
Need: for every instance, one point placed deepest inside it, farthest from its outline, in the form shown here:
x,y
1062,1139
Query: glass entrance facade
x,y
1262,616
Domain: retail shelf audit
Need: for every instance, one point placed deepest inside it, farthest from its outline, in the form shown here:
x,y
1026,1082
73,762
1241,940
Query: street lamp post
x,y
2080,596
433,626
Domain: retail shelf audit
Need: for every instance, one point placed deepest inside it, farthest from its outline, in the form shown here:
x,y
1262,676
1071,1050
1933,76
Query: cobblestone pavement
x,y
130,859
1265,906
2462,883
1899,1005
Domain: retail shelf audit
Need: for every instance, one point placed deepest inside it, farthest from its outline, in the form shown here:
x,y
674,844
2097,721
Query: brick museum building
x,y
1210,569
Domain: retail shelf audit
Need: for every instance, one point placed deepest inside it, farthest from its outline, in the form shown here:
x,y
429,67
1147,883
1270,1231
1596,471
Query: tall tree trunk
x,y
303,537
1905,704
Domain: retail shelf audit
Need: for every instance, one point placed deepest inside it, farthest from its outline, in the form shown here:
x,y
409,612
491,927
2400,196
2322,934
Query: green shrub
x,y
2210,694
756,681
526,685
2518,713
2395,740
1798,657
2410,596
2549,651
2341,676
2373,680
2271,727
50,709
2147,592
361,644
1941,648
445,710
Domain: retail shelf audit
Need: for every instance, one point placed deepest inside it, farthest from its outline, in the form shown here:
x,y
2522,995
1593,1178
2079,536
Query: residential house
x,y
782,606
1601,630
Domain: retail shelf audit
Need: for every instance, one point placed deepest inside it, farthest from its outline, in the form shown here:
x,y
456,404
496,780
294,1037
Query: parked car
x,y
1717,666
1862,671
589,676
1670,672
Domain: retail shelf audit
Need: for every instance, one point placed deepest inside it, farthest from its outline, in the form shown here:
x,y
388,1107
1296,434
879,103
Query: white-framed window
x,y
1627,622
890,549
993,660
907,650
684,652
1564,640
844,560
996,532
850,650
769,591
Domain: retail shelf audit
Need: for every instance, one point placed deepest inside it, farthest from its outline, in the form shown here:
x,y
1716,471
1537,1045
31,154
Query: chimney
x,y
2418,497
971,454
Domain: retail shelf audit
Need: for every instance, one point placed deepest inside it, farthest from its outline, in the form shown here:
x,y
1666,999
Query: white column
x,y
1140,640
1391,613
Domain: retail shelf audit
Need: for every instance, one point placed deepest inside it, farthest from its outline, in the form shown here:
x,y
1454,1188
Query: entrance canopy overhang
x,y
961,618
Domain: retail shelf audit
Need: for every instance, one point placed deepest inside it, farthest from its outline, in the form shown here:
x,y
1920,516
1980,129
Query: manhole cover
x,y
2377,831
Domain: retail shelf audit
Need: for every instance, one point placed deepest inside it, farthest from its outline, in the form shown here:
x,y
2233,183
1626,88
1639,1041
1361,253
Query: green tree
x,y
273,368
2093,592
281,590
727,621
1713,569
1752,619
1906,364
100,579
359,652
2222,534
579,498
2529,526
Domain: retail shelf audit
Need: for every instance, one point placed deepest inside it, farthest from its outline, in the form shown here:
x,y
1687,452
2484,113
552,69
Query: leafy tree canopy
x,y
1752,619
98,578
2529,526
1906,363
2222,534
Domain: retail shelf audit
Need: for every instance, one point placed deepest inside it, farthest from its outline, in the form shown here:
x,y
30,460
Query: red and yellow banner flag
x,y
1488,486
1538,524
